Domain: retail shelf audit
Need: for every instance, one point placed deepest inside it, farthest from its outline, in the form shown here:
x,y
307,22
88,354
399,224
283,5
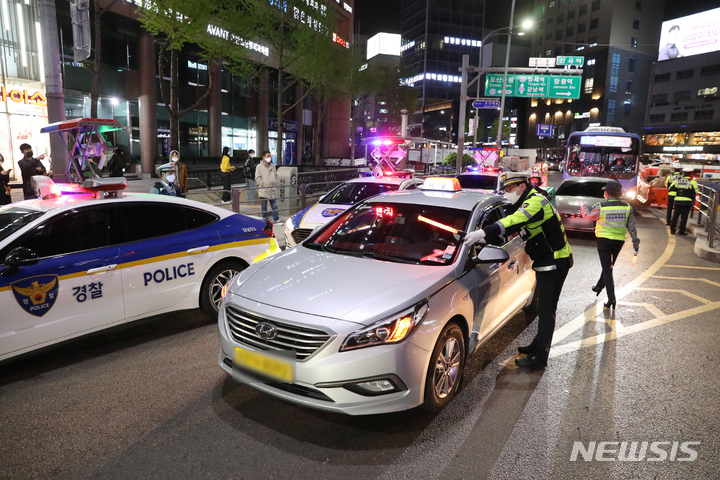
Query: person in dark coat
x,y
29,167
5,197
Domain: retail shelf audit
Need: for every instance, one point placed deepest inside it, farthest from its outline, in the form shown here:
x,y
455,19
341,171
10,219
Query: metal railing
x,y
707,207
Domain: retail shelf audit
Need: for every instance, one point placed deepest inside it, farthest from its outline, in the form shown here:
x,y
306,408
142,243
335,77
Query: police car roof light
x,y
112,185
44,187
443,184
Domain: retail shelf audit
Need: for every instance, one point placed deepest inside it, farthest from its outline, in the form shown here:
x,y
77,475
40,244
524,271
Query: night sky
x,y
373,16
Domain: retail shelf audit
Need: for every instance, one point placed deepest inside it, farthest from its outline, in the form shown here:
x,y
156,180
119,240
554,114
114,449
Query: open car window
x,y
396,232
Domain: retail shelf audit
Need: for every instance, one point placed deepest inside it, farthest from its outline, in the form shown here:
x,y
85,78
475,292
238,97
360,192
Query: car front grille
x,y
303,341
300,234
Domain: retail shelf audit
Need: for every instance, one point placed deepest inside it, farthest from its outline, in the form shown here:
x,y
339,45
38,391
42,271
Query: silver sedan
x,y
379,310
568,197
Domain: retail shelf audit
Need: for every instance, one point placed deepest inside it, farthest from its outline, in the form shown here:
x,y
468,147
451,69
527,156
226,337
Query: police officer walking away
x,y
614,218
167,185
546,243
676,175
685,189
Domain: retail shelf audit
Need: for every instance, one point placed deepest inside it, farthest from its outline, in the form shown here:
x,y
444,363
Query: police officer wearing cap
x,y
685,189
613,219
676,175
546,243
166,185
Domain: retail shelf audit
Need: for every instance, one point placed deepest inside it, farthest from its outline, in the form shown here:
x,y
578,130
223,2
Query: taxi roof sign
x,y
442,184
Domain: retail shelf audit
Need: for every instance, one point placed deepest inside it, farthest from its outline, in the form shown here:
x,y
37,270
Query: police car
x,y
299,226
378,310
480,178
77,263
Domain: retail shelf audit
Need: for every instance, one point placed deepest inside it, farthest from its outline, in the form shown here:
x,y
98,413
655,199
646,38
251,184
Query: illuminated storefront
x,y
667,146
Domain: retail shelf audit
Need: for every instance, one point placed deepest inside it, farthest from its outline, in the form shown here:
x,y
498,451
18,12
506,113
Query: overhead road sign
x,y
542,62
486,103
544,130
534,86
572,61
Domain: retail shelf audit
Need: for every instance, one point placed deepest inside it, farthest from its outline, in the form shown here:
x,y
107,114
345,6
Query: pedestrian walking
x,y
29,167
613,218
5,192
266,179
539,224
685,189
676,175
116,165
167,185
225,169
249,172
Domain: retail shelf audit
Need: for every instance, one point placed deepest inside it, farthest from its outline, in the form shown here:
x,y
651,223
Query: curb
x,y
701,246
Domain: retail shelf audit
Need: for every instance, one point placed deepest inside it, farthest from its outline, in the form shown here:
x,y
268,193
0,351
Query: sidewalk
x,y
701,249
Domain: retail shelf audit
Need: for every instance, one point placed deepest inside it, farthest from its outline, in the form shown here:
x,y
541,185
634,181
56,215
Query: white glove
x,y
478,236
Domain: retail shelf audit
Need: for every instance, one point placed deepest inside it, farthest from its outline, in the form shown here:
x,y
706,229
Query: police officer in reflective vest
x,y
537,222
614,218
685,189
676,175
167,185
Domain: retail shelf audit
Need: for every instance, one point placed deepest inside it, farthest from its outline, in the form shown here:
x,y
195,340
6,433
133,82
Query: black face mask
x,y
29,153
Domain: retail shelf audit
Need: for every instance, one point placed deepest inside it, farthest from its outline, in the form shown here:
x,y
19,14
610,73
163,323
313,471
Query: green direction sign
x,y
494,83
564,86
574,61
530,86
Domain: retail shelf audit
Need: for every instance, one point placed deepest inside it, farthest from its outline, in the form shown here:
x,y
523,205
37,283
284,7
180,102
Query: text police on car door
x,y
160,276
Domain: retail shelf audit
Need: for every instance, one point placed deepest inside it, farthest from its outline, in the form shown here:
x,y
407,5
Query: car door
x,y
164,254
74,288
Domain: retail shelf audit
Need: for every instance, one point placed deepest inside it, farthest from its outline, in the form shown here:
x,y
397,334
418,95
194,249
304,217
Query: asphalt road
x,y
148,400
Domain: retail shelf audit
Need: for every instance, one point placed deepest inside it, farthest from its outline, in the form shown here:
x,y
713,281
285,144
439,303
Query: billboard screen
x,y
691,35
383,44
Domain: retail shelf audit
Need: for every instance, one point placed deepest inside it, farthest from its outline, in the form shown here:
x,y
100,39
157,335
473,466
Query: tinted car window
x,y
13,219
351,193
582,189
149,220
483,182
195,218
76,230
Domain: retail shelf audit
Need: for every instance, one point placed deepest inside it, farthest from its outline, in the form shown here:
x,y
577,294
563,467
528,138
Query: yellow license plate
x,y
270,366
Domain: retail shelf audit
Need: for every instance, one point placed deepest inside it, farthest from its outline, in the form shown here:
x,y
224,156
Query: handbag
x,y
8,190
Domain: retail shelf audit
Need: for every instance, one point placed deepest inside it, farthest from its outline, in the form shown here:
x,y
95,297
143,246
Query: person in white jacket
x,y
266,179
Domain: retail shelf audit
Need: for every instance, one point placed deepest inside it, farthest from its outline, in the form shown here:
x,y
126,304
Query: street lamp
x,y
527,24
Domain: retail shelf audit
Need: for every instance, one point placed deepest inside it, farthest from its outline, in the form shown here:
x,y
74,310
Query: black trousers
x,y
608,250
549,286
682,210
226,186
671,200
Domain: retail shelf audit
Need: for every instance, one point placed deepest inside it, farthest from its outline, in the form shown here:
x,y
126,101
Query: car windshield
x,y
353,192
13,219
395,232
582,189
482,182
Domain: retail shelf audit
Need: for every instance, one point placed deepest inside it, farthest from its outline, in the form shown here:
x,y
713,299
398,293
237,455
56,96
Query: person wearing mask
x,y
29,167
167,185
180,170
613,220
249,172
225,169
539,224
536,183
685,189
676,175
266,180
5,194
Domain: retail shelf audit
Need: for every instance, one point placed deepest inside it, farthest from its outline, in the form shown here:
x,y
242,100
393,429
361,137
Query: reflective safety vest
x,y
670,179
612,223
686,189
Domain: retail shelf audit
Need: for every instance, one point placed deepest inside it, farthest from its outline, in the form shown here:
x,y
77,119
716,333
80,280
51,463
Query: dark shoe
x,y
526,350
609,304
531,361
672,233
667,224
597,290
682,233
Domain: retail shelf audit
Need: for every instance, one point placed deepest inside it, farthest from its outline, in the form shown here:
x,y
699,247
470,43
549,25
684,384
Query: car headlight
x,y
630,194
390,330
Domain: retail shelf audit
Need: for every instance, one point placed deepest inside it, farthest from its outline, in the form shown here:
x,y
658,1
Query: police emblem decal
x,y
332,212
36,295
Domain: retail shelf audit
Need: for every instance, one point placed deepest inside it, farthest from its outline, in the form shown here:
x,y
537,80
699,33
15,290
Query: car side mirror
x,y
19,257
490,254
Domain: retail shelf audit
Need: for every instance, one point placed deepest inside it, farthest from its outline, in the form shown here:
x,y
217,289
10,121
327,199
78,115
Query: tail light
x,y
268,230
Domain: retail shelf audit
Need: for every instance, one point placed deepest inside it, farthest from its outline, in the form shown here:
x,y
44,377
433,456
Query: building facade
x,y
618,39
235,115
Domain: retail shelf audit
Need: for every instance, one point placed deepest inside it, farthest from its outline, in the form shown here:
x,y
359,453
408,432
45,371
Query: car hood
x,y
360,290
567,204
318,214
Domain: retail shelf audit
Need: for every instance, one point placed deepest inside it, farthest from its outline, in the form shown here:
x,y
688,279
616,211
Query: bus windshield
x,y
604,156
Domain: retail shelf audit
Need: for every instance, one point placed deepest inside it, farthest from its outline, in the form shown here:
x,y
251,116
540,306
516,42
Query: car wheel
x,y
215,280
446,368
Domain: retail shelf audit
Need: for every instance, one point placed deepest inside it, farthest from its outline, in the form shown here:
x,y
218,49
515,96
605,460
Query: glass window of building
x,y
614,72
560,17
558,35
710,70
657,118
571,14
704,114
628,86
589,82
678,116
662,77
634,42
594,23
583,9
627,104
592,42
581,27
570,31
660,99
595,5
682,96
631,64
638,6
683,74
611,111
569,48
636,24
